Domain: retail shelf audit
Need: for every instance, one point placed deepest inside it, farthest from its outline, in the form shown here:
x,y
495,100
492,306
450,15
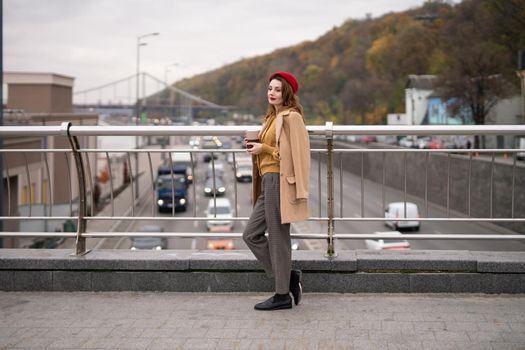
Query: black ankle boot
x,y
276,302
296,288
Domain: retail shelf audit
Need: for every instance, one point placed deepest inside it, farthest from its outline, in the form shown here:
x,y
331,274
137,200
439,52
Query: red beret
x,y
289,78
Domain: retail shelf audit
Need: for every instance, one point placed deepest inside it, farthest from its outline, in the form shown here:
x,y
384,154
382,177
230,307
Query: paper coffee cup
x,y
252,135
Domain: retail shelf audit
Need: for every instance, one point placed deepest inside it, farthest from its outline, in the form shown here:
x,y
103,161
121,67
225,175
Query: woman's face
x,y
275,96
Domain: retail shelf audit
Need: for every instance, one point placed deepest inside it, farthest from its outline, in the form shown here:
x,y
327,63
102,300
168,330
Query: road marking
x,y
194,243
195,224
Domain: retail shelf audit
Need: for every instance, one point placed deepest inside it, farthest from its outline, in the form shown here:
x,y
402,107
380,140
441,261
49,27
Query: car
x,y
168,189
209,189
210,142
149,243
219,214
396,210
395,243
219,167
244,173
423,142
436,144
195,141
368,139
221,244
208,156
406,142
240,158
218,173
226,144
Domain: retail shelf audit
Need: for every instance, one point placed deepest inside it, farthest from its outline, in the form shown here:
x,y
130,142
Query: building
x,y
417,90
424,106
41,99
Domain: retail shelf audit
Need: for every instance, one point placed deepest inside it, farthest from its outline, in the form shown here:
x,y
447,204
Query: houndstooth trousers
x,y
274,252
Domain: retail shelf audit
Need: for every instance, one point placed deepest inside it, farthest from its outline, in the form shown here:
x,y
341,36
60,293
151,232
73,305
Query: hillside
x,y
355,73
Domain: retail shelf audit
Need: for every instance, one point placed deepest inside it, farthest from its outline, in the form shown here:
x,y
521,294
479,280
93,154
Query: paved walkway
x,y
128,320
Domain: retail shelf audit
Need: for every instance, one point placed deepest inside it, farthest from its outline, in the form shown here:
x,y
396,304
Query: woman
x,y
281,169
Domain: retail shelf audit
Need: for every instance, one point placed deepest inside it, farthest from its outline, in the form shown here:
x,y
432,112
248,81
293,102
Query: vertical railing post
x,y
330,253
80,244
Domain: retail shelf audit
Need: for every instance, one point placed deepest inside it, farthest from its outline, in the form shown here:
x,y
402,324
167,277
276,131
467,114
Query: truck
x,y
181,165
169,189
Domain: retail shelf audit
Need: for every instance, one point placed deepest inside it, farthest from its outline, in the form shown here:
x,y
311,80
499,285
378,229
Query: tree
x,y
509,23
473,78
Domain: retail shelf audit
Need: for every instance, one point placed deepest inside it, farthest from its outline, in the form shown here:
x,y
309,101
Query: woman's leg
x,y
278,235
253,234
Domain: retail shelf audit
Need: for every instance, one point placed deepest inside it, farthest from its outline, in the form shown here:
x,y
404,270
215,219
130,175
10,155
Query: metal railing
x,y
325,134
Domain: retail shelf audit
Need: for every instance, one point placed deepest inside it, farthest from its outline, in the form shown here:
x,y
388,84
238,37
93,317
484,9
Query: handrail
x,y
323,132
236,130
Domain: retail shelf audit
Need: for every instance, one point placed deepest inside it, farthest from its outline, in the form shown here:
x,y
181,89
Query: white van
x,y
219,216
396,210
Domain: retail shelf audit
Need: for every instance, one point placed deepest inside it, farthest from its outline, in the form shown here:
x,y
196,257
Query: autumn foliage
x,y
356,73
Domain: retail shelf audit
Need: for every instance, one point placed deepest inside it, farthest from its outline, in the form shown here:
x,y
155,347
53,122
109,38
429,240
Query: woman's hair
x,y
290,100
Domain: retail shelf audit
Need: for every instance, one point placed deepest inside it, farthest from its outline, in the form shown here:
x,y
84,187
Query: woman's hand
x,y
254,148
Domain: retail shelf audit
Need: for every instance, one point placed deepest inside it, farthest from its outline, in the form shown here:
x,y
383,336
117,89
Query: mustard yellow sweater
x,y
268,160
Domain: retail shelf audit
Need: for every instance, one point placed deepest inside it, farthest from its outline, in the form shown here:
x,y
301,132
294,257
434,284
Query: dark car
x,y
211,143
148,243
169,189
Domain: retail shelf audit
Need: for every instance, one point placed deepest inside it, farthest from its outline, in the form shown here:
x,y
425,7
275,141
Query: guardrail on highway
x,y
84,176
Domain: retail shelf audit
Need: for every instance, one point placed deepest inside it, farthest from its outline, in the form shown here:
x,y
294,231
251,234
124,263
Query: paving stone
x,y
473,346
133,343
451,336
221,333
102,343
33,342
517,327
237,344
167,344
439,345
429,326
507,346
198,344
68,343
405,345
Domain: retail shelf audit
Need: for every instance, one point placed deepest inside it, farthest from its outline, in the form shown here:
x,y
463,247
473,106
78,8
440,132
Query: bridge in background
x,y
119,99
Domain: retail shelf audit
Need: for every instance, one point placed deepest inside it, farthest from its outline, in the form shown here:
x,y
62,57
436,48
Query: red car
x,y
436,144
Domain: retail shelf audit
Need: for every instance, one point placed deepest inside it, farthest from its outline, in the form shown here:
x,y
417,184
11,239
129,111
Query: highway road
x,y
350,190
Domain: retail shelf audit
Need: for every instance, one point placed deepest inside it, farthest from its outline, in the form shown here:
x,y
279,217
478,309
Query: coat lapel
x,y
279,124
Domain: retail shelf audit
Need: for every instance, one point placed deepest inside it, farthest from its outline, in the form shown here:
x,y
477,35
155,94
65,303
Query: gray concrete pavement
x,y
125,320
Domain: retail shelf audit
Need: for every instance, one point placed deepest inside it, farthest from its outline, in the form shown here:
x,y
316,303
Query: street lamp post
x,y
139,44
166,70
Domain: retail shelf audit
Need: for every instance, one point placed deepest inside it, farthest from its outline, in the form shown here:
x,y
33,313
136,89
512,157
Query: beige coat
x,y
294,155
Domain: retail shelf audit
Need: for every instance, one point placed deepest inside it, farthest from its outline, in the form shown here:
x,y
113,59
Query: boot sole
x,y
282,307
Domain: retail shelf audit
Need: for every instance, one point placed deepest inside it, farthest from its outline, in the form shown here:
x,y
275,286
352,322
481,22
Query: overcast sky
x,y
95,41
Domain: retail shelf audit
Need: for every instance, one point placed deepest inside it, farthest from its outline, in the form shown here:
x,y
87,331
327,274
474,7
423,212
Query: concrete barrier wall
x,y
438,166
238,271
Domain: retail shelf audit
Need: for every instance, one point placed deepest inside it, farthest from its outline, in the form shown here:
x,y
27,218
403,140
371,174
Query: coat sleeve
x,y
300,149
